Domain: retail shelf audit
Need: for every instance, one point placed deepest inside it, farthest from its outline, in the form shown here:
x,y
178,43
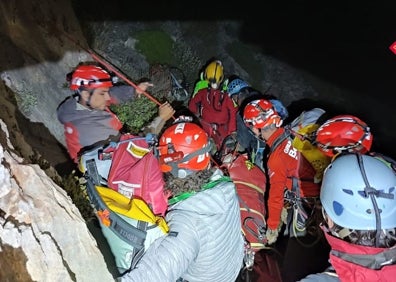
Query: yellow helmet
x,y
214,74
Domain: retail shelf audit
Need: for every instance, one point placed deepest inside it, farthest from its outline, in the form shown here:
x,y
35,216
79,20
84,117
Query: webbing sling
x,y
135,236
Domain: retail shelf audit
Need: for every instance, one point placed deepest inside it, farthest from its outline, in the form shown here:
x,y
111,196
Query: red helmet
x,y
344,133
260,114
184,146
91,77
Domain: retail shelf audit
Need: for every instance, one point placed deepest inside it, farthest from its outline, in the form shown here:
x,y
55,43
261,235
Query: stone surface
x,y
42,233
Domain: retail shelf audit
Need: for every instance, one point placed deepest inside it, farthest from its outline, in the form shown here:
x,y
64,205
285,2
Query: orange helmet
x,y
91,77
260,114
344,133
184,147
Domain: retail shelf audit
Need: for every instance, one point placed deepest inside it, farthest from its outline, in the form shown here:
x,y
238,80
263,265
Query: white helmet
x,y
358,192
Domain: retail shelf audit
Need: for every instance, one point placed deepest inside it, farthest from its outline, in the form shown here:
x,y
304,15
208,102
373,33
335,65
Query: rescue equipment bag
x,y
135,170
128,223
250,182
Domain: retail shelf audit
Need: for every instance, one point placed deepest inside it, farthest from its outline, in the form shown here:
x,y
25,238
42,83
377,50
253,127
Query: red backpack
x,y
250,182
135,171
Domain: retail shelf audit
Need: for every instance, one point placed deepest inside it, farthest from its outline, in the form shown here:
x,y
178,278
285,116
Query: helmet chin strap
x,y
183,172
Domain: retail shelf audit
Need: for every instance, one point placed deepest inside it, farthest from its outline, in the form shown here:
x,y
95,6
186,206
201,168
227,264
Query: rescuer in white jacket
x,y
205,242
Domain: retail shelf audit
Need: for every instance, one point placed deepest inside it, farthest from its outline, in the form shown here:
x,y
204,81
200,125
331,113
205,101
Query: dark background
x,y
343,42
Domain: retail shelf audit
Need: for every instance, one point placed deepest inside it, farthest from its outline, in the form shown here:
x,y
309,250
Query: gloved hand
x,y
284,215
271,236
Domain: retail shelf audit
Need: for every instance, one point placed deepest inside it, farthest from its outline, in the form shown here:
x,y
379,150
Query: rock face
x,y
43,235
37,56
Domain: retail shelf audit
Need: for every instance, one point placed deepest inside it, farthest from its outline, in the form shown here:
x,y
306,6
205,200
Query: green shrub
x,y
75,186
155,45
136,114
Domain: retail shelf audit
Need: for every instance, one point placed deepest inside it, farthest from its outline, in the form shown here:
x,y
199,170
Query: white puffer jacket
x,y
204,244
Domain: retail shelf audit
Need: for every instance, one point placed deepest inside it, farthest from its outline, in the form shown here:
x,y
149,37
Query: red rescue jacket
x,y
357,268
214,106
285,163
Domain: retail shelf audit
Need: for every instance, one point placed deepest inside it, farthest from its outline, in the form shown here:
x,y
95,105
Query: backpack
x,y
301,132
128,224
250,182
135,171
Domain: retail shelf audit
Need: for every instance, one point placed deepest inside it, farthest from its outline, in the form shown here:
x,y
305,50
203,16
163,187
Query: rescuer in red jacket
x,y
213,106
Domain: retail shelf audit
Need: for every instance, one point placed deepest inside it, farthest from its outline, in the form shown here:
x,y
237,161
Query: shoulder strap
x,y
280,139
135,236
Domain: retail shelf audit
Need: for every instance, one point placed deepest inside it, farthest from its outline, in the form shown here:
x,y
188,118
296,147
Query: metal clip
x,y
248,257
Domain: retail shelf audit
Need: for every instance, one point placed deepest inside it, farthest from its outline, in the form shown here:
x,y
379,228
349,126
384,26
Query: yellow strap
x,y
133,208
